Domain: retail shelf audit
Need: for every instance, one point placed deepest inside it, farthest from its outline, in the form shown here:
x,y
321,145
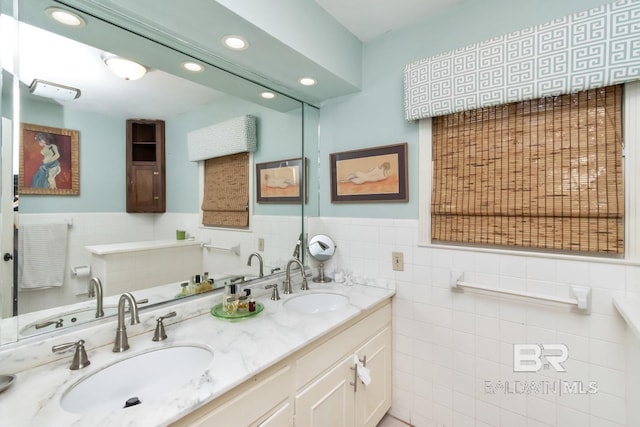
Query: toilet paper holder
x,y
80,271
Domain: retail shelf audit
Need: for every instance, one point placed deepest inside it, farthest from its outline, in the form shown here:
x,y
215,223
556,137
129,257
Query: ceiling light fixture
x,y
268,95
65,17
53,90
124,68
193,66
235,42
307,81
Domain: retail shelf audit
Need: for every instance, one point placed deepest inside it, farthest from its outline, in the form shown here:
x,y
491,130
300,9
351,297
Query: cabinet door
x,y
280,418
146,185
329,400
144,193
374,400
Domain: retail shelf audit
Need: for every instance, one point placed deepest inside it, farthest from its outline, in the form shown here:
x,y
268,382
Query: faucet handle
x,y
160,334
80,359
59,323
275,295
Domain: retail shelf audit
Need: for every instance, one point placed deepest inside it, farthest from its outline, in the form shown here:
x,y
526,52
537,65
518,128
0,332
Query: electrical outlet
x,y
397,261
261,244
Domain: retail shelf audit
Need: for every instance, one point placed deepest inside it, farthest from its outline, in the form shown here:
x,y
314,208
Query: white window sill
x,y
629,309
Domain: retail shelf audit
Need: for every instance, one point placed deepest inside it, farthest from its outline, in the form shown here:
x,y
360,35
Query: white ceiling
x,y
57,59
51,56
370,19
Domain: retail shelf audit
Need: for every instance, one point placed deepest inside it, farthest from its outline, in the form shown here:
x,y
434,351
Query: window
x,y
226,191
540,174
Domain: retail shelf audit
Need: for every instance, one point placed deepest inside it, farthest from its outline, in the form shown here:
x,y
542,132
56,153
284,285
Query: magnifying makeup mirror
x,y
321,248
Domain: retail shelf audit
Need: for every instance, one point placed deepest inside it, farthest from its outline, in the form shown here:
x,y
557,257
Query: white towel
x,y
42,251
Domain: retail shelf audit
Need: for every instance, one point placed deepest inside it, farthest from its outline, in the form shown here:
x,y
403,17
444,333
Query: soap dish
x,y
6,381
218,312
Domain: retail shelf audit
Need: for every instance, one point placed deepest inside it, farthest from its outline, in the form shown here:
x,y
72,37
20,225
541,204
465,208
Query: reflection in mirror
x,y
135,252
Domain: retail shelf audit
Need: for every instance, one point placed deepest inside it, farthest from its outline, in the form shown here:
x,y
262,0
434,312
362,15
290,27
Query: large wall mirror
x,y
36,47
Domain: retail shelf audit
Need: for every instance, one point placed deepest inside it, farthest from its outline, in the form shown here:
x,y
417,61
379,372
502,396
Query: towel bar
x,y
581,294
234,250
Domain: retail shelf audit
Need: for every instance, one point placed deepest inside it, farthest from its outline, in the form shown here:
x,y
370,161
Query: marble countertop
x,y
241,349
13,328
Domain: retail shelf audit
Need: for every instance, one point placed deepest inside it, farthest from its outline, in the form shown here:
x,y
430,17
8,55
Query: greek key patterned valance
x,y
233,136
587,50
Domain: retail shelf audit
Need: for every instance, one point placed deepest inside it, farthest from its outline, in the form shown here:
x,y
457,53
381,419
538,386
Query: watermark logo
x,y
556,387
533,357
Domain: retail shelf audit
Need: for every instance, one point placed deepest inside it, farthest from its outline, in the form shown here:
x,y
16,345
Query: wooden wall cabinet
x,y
146,185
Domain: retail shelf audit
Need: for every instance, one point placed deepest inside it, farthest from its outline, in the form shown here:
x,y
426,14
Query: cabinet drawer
x,y
333,350
247,405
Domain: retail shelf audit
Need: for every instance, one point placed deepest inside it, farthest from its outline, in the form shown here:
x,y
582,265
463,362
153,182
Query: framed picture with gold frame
x,y
377,174
48,161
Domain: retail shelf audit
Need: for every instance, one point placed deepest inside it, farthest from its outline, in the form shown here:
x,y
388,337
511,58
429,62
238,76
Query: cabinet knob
x,y
156,173
156,197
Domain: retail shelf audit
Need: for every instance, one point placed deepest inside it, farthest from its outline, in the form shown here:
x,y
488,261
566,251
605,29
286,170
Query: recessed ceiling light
x,y
307,81
124,68
192,66
268,95
65,17
235,42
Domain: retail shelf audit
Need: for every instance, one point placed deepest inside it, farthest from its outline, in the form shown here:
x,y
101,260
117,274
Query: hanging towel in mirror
x,y
42,250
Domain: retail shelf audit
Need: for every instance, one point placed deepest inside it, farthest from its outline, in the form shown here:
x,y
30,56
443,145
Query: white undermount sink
x,y
146,377
320,302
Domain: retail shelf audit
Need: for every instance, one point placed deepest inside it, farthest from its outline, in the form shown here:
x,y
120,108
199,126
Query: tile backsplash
x,y
453,353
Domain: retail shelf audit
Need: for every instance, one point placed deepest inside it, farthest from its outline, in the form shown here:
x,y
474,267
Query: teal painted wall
x,y
102,160
102,154
375,116
279,138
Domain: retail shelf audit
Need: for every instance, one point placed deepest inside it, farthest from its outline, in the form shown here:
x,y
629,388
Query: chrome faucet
x,y
80,359
286,284
160,334
95,290
257,255
122,342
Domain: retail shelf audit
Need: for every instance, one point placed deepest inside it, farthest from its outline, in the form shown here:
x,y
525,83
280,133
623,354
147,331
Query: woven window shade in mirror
x,y
544,174
226,191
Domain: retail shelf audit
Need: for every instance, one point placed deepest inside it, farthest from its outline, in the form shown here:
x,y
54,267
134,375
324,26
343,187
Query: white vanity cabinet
x,y
374,400
336,397
329,400
262,401
317,385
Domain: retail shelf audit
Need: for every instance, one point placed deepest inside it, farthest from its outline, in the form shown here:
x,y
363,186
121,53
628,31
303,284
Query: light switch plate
x,y
397,261
261,244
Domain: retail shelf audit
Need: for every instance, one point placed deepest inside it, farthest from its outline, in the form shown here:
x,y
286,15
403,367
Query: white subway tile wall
x,y
280,234
453,353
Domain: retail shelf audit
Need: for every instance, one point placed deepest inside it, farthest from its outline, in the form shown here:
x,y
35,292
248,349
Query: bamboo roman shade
x,y
544,173
226,191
